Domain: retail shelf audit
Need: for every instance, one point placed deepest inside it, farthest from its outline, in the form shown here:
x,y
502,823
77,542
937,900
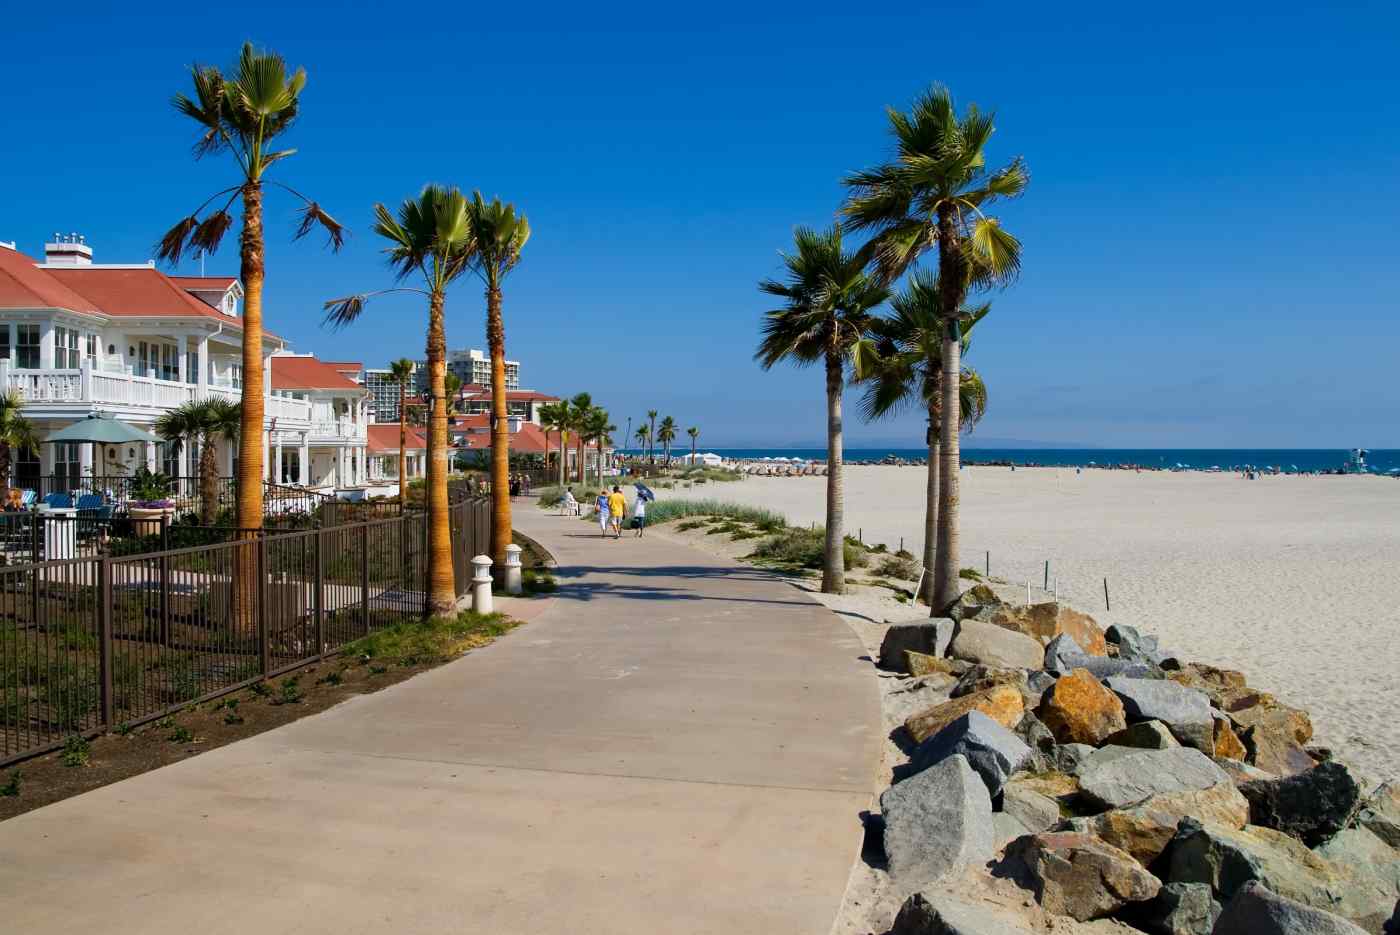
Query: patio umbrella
x,y
100,429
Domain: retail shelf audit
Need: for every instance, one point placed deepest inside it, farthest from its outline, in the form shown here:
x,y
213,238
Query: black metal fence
x,y
88,644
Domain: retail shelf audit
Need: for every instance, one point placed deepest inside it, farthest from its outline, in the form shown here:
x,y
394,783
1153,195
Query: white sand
x,y
1293,580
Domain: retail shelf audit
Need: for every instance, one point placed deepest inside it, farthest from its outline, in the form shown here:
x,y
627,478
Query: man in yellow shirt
x,y
617,505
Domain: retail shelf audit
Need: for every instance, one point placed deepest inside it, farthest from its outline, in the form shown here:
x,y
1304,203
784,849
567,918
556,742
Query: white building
x,y
78,337
330,454
471,366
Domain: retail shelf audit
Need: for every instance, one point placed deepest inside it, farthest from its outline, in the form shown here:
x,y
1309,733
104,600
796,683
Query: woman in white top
x,y
568,506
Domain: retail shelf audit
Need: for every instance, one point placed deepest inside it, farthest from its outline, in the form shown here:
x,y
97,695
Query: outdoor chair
x,y
58,501
26,498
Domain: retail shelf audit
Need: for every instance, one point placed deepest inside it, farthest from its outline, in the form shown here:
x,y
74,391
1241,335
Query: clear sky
x,y
1210,232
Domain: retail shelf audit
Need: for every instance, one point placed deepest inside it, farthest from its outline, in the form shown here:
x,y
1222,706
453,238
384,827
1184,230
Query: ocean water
x,y
1308,460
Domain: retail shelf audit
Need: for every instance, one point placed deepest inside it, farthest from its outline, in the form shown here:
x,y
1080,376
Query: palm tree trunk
x,y
563,457
403,442
834,557
249,502
582,467
208,482
945,576
441,593
500,430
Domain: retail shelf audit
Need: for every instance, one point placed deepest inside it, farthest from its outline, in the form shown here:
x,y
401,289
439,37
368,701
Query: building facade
x,y
128,341
471,366
384,392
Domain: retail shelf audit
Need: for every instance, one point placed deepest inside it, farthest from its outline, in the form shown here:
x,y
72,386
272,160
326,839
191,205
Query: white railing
x,y
338,428
122,389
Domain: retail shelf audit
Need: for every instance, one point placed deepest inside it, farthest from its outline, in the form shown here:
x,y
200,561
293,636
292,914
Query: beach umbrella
x,y
100,429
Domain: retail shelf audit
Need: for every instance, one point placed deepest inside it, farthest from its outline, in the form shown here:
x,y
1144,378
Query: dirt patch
x,y
205,726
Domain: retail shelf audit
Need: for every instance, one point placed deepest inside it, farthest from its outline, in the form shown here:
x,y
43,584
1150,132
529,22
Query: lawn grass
x,y
436,639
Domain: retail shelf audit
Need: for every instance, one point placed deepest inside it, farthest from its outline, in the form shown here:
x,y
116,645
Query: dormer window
x,y
230,305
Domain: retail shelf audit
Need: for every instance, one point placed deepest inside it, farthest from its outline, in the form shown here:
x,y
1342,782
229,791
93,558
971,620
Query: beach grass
x,y
663,511
804,548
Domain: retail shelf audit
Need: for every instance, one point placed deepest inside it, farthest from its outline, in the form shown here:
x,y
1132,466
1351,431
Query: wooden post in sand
x,y
1105,595
1047,574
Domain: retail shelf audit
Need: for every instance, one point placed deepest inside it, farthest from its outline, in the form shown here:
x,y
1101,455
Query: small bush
x,y
663,511
970,574
550,496
181,735
691,524
332,678
538,581
805,548
76,751
11,787
434,640
289,691
904,553
898,568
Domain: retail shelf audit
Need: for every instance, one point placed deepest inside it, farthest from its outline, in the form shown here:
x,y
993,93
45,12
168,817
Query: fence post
x,y
319,576
260,607
164,587
364,579
104,637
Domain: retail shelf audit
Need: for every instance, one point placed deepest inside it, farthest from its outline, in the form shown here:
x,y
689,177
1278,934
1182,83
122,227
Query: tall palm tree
x,y
907,370
452,387
203,420
431,237
579,407
401,372
932,196
564,422
694,433
598,429
666,434
643,437
828,297
651,436
498,236
243,114
549,421
16,432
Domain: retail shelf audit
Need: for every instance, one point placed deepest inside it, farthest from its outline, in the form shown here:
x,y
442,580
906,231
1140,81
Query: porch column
x,y
304,461
46,356
340,467
85,459
277,469
182,342
360,474
202,353
150,456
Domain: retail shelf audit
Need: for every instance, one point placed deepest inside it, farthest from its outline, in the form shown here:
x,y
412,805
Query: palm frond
x,y
344,311
312,216
173,243
996,249
210,232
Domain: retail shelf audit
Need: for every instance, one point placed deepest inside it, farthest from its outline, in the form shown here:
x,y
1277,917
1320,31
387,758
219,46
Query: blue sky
x,y
1210,231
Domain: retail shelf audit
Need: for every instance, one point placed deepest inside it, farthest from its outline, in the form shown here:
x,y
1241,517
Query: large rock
x,y
980,678
925,664
934,913
1227,859
1273,733
1365,855
1078,875
930,636
992,751
1216,683
1063,655
1380,813
1310,806
1036,735
1002,703
1035,811
1142,774
991,645
1181,909
1144,830
1052,784
1185,711
936,823
1144,735
1255,910
1226,743
1078,709
1044,622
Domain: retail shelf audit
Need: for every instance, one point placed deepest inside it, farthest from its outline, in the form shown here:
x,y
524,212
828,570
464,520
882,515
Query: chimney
x,y
67,250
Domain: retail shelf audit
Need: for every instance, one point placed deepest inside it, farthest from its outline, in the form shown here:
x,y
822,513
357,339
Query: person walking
x,y
604,512
639,515
568,506
617,506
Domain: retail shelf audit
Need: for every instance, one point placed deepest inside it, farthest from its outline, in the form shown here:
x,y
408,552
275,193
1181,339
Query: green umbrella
x,y
100,429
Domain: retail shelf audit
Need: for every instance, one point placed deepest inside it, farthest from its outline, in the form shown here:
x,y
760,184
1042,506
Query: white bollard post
x,y
481,584
513,582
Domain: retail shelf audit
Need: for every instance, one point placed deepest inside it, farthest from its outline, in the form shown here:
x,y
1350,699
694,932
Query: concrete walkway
x,y
674,745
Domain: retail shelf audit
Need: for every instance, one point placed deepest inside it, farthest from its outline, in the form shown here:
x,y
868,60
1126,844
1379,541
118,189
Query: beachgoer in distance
x,y
639,515
604,513
568,506
514,486
617,506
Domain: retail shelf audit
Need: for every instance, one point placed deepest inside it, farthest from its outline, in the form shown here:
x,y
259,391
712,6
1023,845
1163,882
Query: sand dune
x,y
1294,580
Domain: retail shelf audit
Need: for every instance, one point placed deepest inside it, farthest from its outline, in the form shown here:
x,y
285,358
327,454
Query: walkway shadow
x,y
582,589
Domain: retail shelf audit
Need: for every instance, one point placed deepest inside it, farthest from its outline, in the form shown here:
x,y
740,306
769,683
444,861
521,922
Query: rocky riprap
x,y
1111,779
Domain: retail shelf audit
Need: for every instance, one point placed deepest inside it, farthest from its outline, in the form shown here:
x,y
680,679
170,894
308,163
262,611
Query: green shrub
x,y
804,548
894,567
691,524
76,751
663,511
550,496
11,787
970,574
538,581
434,640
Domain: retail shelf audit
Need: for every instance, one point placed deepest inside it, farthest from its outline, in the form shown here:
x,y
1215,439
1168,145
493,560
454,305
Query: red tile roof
x,y
308,373
476,390
204,283
138,291
24,285
384,436
476,436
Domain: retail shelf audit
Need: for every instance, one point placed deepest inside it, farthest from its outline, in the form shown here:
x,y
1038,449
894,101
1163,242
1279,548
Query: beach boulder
x,y
1043,622
1185,711
1033,810
992,751
1274,734
1139,775
1147,828
924,664
934,913
1255,910
1216,683
930,636
1180,909
1078,709
937,823
1002,703
1144,735
1078,875
1364,854
991,645
1225,743
1380,813
1063,655
1311,806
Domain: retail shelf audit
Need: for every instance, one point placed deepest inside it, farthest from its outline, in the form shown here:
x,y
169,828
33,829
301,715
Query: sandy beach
x,y
1294,580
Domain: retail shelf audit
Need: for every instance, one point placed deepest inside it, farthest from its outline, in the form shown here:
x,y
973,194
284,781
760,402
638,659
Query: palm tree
x,y
908,371
498,236
16,432
827,312
243,114
579,407
933,195
694,433
643,437
667,434
203,420
430,236
549,421
401,372
597,428
452,387
564,421
651,436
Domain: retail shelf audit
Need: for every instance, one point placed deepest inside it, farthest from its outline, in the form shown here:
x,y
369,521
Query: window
x,y
27,346
27,469
236,374
65,465
4,341
142,362
65,348
192,366
92,351
170,460
169,362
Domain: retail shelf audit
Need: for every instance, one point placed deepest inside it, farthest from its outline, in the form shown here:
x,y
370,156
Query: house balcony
x,y
72,394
